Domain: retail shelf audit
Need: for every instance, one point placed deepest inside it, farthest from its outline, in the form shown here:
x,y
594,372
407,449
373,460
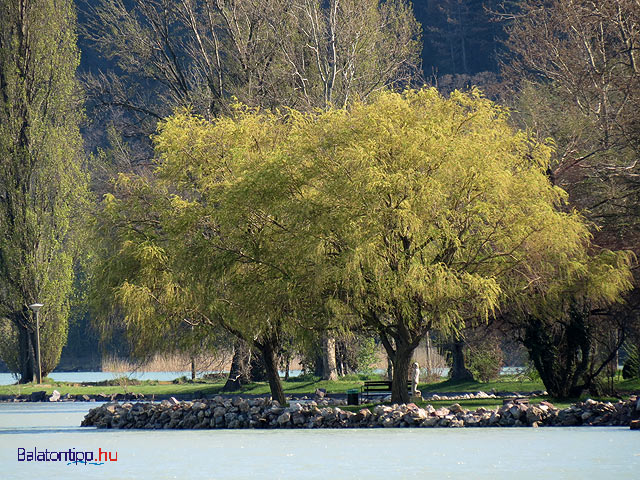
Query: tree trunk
x,y
400,347
26,355
38,367
461,32
459,371
193,368
257,368
401,361
429,366
318,365
287,367
270,360
239,372
329,358
562,353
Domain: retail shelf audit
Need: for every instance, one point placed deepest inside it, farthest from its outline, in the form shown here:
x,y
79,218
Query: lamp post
x,y
36,307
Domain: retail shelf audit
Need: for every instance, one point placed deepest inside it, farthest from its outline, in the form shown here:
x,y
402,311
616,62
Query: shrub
x,y
485,359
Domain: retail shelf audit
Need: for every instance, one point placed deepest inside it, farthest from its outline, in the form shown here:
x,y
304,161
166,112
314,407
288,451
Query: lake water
x,y
488,453
78,377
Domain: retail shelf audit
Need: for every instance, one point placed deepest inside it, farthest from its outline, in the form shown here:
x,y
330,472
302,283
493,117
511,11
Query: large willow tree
x,y
412,213
432,212
215,255
575,65
41,182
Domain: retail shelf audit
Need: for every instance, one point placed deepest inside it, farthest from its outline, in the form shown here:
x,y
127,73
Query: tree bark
x,y
561,354
257,368
399,352
239,372
428,347
270,360
401,361
318,365
26,356
287,368
459,371
329,358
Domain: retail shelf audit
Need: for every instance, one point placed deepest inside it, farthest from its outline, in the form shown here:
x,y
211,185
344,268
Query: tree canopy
x,y
304,54
42,185
432,212
409,213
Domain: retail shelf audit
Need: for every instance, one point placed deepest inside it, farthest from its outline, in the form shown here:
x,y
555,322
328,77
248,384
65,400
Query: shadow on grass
x,y
503,384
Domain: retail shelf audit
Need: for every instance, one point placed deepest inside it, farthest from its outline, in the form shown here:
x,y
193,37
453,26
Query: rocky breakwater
x,y
265,413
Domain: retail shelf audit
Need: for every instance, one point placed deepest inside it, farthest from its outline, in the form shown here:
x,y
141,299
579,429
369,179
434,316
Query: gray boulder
x,y
284,419
39,396
534,415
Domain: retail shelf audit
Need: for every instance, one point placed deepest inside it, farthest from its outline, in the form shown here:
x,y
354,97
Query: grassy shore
x,y
303,385
151,387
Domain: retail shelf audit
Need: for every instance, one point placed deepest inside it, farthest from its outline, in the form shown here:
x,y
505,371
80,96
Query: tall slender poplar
x,y
41,181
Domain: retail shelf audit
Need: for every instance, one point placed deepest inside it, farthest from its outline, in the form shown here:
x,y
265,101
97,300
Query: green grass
x,y
506,383
632,385
305,385
308,386
150,388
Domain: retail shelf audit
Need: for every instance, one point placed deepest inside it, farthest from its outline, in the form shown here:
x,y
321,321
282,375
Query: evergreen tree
x,y
41,183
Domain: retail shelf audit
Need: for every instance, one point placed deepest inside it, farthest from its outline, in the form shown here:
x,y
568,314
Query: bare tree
x,y
350,48
204,53
576,65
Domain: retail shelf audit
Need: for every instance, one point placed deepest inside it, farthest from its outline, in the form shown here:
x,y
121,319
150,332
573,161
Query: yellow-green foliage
x,y
137,278
43,191
412,212
431,205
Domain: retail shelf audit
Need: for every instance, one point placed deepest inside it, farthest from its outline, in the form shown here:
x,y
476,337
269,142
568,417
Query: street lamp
x,y
36,307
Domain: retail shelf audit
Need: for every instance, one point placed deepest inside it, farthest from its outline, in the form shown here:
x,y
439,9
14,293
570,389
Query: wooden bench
x,y
378,387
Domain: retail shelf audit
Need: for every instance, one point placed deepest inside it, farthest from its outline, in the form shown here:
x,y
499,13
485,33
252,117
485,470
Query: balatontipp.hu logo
x,y
70,456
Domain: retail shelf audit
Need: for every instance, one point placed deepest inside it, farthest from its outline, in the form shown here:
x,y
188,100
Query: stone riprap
x,y
456,397
265,413
480,395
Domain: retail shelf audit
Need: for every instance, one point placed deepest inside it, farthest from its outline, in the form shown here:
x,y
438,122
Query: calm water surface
x,y
9,379
523,453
